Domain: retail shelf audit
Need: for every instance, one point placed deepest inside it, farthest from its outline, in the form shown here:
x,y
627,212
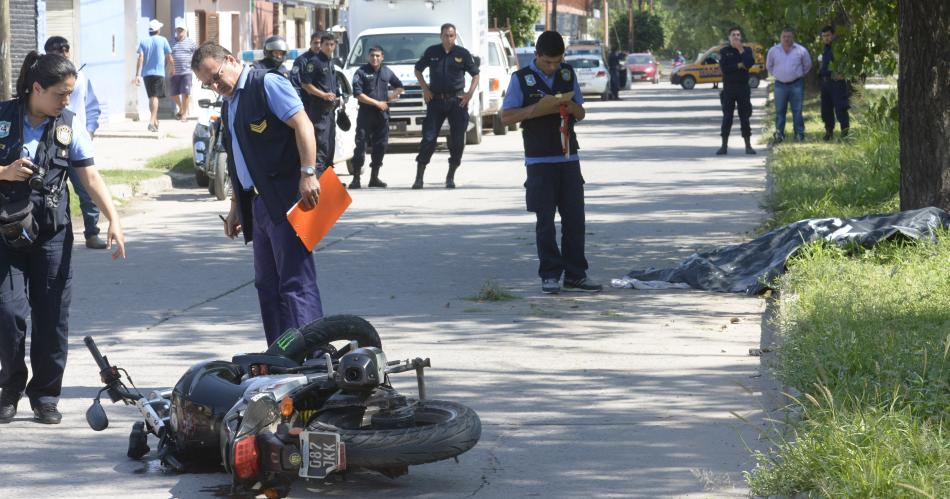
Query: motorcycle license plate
x,y
322,454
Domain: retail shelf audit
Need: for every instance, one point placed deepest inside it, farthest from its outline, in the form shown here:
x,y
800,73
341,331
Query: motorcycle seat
x,y
245,360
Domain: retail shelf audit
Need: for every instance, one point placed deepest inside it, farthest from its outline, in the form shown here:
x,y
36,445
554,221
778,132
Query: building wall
x,y
22,34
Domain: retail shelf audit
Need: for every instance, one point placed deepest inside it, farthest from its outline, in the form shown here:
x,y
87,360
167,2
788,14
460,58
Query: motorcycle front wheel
x,y
441,430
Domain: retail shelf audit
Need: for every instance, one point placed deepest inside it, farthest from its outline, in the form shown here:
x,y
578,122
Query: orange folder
x,y
311,225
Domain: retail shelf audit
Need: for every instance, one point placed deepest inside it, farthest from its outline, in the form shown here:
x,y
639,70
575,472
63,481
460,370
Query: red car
x,y
643,67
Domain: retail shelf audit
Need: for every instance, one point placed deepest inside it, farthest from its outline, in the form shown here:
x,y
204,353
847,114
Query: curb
x,y
152,186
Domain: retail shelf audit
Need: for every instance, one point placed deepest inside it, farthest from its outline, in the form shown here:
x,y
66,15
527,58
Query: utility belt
x,y
447,96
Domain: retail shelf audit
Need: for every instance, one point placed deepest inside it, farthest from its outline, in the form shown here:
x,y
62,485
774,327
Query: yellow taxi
x,y
706,69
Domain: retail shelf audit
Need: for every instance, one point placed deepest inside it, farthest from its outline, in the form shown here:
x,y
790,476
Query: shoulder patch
x,y
458,60
566,74
64,135
529,79
4,129
310,67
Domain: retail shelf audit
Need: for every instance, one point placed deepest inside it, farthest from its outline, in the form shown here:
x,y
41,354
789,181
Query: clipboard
x,y
312,225
550,104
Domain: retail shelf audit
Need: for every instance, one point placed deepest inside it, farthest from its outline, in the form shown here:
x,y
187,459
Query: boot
x,y
355,184
829,132
450,178
725,146
844,132
420,171
374,180
748,145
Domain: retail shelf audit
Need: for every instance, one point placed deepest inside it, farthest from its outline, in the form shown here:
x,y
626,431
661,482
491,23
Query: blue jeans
x,y
785,94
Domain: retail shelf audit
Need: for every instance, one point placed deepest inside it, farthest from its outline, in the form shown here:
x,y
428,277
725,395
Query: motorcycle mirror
x,y
204,103
96,416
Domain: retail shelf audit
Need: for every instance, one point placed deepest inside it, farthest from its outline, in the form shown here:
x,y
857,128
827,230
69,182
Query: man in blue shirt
x,y
272,165
554,181
371,84
154,52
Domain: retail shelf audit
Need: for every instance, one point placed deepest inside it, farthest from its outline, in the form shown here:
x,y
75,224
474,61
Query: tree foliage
x,y
522,14
647,31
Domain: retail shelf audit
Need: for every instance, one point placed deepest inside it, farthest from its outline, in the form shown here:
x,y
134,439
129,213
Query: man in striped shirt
x,y
182,50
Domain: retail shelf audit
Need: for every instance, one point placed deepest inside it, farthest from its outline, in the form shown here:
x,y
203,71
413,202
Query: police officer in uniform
x,y
834,88
447,63
735,61
300,64
613,65
275,50
319,80
554,182
271,163
371,84
39,143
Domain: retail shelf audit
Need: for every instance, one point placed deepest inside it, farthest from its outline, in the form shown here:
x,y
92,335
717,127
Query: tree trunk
x,y
924,103
630,26
553,15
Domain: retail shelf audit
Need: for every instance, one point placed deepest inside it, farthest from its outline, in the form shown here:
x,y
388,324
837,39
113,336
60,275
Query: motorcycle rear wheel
x,y
325,331
442,430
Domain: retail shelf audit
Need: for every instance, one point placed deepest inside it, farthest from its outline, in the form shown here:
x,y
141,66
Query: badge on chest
x,y
259,127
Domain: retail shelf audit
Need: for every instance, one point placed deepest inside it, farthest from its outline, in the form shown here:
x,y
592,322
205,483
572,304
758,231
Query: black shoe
x,y
584,284
449,183
420,172
95,242
8,403
749,150
376,182
417,184
828,135
722,150
799,138
47,414
550,286
355,184
844,132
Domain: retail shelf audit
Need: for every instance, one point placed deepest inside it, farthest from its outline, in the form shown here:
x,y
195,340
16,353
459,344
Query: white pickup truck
x,y
404,29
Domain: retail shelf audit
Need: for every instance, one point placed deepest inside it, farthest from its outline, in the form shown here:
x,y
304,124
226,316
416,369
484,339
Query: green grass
x,y
178,161
492,291
855,176
865,333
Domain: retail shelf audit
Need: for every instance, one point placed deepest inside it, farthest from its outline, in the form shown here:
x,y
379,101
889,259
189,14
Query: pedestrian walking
x,y
319,80
447,63
834,87
180,84
788,63
275,50
300,65
85,107
554,182
734,62
154,52
272,165
41,140
374,86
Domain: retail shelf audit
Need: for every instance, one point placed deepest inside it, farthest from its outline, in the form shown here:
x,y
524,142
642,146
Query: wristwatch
x,y
308,170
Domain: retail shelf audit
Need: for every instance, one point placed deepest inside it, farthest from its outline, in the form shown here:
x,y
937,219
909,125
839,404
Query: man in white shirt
x,y
788,63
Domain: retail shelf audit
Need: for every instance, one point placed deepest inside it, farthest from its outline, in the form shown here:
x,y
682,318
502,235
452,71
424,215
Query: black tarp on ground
x,y
748,267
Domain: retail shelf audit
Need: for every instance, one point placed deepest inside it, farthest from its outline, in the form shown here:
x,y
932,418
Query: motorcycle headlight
x,y
262,411
202,132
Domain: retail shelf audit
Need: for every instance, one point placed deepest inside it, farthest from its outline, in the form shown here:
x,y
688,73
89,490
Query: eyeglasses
x,y
215,78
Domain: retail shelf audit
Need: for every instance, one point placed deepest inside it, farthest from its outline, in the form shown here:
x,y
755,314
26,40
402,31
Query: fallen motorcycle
x,y
302,409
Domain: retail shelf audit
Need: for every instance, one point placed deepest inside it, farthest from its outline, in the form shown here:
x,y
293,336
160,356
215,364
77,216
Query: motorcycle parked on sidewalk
x,y
302,409
210,157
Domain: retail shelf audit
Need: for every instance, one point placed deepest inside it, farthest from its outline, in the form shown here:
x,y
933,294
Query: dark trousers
x,y
558,187
284,274
614,83
372,127
437,112
90,212
324,128
733,96
35,284
834,102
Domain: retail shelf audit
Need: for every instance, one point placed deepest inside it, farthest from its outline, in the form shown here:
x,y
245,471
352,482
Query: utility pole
x,y
630,26
5,51
553,15
606,40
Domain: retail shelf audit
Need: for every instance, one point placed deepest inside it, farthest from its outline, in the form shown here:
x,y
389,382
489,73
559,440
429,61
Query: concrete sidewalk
x,y
622,394
128,145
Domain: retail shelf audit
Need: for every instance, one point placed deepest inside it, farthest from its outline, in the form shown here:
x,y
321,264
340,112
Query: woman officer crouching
x,y
38,143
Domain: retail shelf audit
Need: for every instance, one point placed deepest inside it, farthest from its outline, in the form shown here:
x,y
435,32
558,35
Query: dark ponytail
x,y
47,70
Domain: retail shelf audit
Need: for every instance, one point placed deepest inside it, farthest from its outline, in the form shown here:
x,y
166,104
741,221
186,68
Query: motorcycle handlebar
x,y
94,350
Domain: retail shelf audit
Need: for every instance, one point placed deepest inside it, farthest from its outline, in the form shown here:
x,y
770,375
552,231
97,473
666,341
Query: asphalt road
x,y
623,394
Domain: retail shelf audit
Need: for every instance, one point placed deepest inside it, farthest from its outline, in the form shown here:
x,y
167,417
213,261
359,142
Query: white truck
x,y
404,29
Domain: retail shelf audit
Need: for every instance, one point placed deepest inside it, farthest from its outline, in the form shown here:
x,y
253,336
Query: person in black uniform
x,y
834,88
275,50
319,80
39,143
447,63
613,65
735,61
371,84
300,65
554,182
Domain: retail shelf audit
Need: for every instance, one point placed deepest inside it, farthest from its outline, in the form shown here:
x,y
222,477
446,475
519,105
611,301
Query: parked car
x,y
642,67
706,69
592,74
585,47
497,65
525,56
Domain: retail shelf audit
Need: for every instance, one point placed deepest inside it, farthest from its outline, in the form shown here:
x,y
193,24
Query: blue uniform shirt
x,y
282,100
375,84
154,49
447,70
319,72
515,99
80,149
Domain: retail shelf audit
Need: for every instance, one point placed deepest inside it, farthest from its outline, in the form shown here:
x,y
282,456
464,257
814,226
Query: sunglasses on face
x,y
215,78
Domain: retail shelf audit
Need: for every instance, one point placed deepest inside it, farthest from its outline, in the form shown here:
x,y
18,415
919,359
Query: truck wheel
x,y
753,81
497,127
688,82
474,136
